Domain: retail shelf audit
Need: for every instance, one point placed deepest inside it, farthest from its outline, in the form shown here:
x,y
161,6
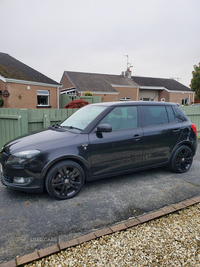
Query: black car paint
x,y
100,154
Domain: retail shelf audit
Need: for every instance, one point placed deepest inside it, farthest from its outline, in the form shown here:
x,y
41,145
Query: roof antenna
x,y
128,64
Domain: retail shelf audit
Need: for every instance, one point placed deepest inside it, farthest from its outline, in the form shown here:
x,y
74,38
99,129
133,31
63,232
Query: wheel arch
x,y
179,162
184,143
81,161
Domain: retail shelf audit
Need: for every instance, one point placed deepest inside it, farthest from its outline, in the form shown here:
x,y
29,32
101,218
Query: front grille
x,y
6,178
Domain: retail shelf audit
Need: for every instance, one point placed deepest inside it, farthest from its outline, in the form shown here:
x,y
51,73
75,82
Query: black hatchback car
x,y
98,141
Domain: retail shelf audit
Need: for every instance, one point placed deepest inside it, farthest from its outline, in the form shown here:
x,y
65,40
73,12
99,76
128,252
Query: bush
x,y
88,93
76,104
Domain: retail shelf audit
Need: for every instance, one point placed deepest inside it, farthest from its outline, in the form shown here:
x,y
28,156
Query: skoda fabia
x,y
98,141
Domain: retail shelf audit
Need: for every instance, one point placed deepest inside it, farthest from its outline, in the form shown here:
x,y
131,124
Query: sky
x,y
160,37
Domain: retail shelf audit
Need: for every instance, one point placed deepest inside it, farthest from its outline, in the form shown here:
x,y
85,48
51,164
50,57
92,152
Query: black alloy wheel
x,y
65,179
182,159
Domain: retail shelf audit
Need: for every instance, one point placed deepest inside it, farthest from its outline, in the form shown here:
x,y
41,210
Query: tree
x,y
195,82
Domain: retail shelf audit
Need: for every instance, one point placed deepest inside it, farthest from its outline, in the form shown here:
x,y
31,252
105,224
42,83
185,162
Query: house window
x,y
125,99
184,101
144,99
42,97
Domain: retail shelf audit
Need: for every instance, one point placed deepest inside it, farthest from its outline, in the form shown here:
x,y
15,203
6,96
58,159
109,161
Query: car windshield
x,y
82,117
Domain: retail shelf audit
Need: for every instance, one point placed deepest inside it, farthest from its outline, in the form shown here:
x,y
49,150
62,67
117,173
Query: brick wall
x,y
66,82
22,97
175,97
164,94
130,92
107,97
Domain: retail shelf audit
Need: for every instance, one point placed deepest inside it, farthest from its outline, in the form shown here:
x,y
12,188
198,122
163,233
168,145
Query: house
x,y
160,89
23,87
126,87
109,87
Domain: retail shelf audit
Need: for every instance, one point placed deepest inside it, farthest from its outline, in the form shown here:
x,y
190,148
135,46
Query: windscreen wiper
x,y
72,127
55,126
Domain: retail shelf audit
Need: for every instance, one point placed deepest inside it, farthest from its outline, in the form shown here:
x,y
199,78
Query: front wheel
x,y
65,179
182,159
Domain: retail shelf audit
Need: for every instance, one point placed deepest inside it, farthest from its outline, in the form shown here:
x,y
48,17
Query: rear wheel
x,y
182,159
65,179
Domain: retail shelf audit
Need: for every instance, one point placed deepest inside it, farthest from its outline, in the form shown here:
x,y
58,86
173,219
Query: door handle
x,y
136,137
176,130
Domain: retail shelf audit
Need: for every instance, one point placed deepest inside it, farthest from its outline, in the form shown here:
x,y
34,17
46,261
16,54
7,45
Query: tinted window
x,y
171,115
180,114
154,115
122,118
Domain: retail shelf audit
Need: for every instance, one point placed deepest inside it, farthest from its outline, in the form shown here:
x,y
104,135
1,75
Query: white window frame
x,y
43,93
125,98
184,101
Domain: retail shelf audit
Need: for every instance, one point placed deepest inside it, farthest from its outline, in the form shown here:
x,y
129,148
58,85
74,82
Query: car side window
x,y
121,118
171,114
153,115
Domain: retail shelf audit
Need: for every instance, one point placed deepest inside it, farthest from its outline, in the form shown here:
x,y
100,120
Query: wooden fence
x,y
16,122
193,113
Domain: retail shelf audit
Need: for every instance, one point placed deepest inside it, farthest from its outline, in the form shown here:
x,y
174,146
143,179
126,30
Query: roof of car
x,y
135,103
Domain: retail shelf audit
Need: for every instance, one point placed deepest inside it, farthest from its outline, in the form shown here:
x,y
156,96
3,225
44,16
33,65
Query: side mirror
x,y
104,128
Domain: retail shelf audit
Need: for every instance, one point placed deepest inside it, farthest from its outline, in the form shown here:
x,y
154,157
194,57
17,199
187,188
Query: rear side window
x,y
180,114
154,115
171,114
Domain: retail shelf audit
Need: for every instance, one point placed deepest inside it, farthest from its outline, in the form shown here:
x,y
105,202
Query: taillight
x,y
194,128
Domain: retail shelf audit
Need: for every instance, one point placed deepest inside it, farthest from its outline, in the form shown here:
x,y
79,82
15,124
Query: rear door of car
x,y
162,131
122,148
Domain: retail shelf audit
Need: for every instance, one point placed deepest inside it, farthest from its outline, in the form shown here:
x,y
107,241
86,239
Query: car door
x,y
122,148
161,133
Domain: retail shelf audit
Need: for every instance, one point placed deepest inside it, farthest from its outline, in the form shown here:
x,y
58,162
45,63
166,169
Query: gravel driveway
x,y
169,241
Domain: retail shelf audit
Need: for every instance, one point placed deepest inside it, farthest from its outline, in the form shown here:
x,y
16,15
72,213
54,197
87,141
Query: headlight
x,y
23,157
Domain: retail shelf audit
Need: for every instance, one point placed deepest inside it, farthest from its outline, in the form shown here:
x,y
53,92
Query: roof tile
x,y
169,84
14,69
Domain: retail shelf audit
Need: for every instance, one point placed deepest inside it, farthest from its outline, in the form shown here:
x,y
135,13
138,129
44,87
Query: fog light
x,y
22,180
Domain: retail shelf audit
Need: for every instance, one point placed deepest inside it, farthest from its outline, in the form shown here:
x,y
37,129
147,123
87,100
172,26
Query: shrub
x,y
88,93
76,104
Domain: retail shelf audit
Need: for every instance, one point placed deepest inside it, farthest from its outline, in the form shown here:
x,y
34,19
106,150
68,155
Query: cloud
x,y
161,37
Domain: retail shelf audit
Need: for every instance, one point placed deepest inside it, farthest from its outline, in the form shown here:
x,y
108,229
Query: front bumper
x,y
6,181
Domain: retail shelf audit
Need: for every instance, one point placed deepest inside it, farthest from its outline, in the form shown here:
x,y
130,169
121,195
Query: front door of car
x,y
122,148
161,133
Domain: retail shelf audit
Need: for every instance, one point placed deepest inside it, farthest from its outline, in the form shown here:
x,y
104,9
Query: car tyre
x,y
65,179
182,159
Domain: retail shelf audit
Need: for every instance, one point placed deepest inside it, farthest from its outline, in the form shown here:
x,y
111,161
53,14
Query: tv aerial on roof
x,y
129,66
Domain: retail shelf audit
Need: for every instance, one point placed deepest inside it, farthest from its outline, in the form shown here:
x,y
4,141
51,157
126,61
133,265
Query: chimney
x,y
128,74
